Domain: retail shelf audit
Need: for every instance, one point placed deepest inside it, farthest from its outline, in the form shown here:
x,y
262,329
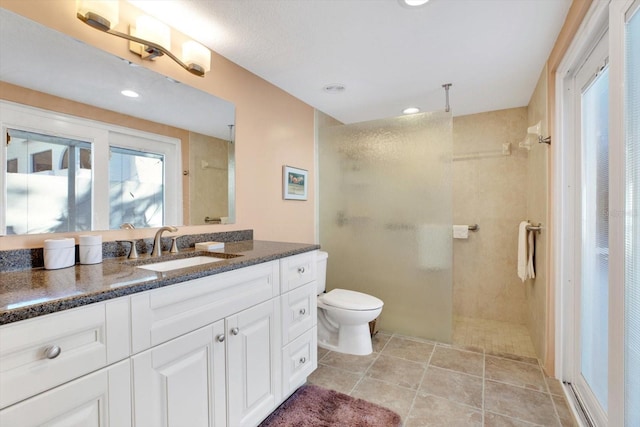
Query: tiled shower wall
x,y
489,189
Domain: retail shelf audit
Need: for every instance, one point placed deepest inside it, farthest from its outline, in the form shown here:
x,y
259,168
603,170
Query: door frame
x,y
602,16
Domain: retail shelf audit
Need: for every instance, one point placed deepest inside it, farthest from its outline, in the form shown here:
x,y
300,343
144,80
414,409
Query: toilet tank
x,y
322,271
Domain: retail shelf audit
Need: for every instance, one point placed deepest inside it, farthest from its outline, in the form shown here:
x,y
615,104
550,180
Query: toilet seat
x,y
350,300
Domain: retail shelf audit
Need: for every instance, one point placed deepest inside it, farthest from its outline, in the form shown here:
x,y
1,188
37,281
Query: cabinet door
x,y
86,339
166,313
182,382
299,360
100,399
254,368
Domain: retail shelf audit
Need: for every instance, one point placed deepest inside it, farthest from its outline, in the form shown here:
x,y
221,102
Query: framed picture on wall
x,y
294,182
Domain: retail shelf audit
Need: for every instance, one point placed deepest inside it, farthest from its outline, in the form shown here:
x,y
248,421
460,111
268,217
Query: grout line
x,y
424,373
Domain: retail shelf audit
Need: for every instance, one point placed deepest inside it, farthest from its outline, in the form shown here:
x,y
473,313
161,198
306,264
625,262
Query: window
x,y
136,192
12,166
89,176
85,159
47,199
42,161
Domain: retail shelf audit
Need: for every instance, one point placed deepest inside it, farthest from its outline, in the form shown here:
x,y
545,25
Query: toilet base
x,y
352,339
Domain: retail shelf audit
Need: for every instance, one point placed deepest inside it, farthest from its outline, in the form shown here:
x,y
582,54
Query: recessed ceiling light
x,y
411,110
130,93
334,88
413,3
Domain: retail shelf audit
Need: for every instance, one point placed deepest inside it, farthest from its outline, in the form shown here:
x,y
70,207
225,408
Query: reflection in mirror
x,y
48,182
61,66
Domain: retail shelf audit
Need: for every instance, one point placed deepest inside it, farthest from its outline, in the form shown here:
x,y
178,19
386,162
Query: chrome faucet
x,y
157,244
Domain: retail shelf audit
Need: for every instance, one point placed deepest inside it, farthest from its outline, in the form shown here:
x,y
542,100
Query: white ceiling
x,y
388,56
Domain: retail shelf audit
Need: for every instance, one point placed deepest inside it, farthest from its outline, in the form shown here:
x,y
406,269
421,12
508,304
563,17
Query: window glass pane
x,y
136,188
43,197
595,236
632,222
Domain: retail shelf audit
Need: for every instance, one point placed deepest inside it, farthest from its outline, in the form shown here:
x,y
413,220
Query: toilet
x,y
344,316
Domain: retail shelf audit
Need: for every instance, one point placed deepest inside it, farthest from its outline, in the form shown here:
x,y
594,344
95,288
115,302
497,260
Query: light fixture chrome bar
x,y
446,87
99,23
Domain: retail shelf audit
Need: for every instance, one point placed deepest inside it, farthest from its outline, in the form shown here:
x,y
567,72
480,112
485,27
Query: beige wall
x,y
538,212
489,189
272,129
208,178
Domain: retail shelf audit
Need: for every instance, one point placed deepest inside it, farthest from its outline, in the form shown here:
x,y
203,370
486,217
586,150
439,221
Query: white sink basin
x,y
177,264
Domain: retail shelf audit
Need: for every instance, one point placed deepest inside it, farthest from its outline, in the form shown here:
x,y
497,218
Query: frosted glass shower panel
x,y
385,217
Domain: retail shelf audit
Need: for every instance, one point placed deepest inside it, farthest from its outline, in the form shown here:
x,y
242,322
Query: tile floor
x,y
433,384
493,336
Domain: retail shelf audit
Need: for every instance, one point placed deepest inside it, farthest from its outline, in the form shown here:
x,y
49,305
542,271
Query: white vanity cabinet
x,y
44,352
221,350
217,362
298,275
253,361
182,382
99,399
54,369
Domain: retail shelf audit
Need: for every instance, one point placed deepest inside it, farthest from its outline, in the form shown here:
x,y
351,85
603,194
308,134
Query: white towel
x,y
434,247
531,273
460,231
522,251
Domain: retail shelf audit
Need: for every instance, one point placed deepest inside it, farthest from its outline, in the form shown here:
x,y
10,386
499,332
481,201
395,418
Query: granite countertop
x,y
35,292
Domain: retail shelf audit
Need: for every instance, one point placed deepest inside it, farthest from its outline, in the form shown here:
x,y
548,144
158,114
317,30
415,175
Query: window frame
x,y
101,136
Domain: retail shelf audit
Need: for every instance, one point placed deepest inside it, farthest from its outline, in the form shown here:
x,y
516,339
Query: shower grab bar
x,y
474,227
536,228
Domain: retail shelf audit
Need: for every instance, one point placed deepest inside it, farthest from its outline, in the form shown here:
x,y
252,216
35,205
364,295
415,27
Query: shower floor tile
x,y
493,336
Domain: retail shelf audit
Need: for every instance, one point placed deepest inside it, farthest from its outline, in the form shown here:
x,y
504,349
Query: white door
x,y
254,371
100,399
590,352
182,382
597,203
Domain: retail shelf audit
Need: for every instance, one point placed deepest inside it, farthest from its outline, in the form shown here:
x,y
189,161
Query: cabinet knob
x,y
235,331
220,338
52,352
303,360
303,311
301,270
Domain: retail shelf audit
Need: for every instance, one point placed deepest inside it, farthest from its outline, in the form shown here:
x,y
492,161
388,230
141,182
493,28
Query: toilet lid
x,y
351,300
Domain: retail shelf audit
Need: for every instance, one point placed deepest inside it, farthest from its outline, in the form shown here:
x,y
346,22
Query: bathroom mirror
x,y
43,60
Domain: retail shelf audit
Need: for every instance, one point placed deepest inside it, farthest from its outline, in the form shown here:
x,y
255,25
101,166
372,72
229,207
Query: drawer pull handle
x,y
52,352
303,311
303,360
220,338
301,270
235,331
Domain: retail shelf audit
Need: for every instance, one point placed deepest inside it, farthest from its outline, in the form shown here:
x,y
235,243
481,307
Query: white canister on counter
x,y
59,253
90,249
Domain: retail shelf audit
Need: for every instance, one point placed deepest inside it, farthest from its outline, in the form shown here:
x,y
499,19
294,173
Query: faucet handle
x,y
133,253
174,245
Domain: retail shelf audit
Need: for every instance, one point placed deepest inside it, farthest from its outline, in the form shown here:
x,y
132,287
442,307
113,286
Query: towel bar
x,y
536,228
474,227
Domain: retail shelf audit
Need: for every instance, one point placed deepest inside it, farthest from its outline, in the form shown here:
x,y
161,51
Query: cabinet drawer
x,y
299,360
166,313
89,338
298,270
102,398
299,308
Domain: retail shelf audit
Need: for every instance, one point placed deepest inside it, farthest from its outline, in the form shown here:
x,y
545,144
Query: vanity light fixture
x,y
411,110
149,38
